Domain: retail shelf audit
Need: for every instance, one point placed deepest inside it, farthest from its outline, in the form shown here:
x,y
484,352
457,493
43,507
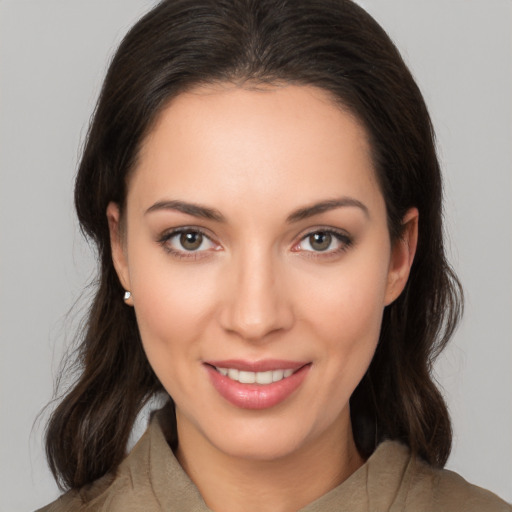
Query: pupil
x,y
191,240
320,241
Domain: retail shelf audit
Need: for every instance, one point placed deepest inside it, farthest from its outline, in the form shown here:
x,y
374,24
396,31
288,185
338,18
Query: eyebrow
x,y
324,206
195,210
205,212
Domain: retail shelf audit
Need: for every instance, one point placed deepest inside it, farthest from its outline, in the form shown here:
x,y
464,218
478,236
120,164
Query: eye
x,y
191,240
324,241
187,242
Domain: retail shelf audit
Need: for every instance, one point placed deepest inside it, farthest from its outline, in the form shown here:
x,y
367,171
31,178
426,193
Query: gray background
x,y
53,55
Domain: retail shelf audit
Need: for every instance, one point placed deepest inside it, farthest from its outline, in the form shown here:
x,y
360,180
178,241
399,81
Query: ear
x,y
402,256
118,247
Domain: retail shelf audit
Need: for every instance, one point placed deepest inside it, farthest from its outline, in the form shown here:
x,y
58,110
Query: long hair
x,y
331,44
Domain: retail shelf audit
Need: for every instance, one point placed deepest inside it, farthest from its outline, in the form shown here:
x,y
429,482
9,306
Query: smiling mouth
x,y
257,384
247,377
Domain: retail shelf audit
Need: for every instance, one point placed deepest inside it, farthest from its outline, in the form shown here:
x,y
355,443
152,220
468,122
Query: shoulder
x,y
149,478
451,486
69,501
443,490
101,495
452,492
78,499
125,490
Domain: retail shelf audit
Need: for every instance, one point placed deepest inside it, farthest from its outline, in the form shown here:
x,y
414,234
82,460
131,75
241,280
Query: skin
x,y
257,288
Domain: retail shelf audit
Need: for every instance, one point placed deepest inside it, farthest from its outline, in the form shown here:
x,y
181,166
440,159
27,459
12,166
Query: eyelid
x,y
184,254
341,235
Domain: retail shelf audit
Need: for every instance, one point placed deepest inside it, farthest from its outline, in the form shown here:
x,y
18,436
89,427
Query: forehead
x,y
288,144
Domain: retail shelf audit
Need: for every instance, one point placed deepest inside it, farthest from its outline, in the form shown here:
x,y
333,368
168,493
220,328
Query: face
x,y
256,249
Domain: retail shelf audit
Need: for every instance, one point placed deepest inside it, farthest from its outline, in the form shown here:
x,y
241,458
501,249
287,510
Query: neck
x,y
228,483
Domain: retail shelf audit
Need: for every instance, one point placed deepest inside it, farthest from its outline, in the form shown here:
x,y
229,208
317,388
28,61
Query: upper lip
x,y
263,365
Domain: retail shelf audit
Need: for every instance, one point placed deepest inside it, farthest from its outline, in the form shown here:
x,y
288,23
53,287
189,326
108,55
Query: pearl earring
x,y
127,295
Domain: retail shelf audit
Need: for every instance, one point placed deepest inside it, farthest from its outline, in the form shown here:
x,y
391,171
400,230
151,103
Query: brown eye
x,y
187,243
191,240
320,241
324,242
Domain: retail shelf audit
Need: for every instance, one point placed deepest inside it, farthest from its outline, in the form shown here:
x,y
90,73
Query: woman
x,y
261,182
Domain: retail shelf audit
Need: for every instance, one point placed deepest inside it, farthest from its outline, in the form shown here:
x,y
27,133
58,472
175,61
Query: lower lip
x,y
256,396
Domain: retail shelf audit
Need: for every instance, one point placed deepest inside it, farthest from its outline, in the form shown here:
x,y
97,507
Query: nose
x,y
256,300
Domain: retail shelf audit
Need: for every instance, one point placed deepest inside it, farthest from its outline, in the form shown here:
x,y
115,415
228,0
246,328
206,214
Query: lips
x,y
256,385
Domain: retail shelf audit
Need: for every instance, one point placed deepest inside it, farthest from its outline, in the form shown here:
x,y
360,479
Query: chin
x,y
262,446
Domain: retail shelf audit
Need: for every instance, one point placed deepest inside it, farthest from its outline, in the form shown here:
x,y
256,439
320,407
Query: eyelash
x,y
342,237
184,254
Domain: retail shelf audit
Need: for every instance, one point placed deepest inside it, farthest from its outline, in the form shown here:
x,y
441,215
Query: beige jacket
x,y
150,479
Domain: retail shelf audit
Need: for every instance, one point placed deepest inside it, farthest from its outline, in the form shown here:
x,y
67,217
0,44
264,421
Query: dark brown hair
x,y
331,44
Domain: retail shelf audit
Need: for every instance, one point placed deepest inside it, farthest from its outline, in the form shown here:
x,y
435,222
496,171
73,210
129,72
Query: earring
x,y
127,295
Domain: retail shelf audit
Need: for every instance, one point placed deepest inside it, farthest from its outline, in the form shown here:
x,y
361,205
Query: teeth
x,y
264,377
246,377
277,375
255,377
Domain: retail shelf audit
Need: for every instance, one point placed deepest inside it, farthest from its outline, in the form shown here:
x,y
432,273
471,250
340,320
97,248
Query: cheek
x,y
173,313
173,302
348,306
345,313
